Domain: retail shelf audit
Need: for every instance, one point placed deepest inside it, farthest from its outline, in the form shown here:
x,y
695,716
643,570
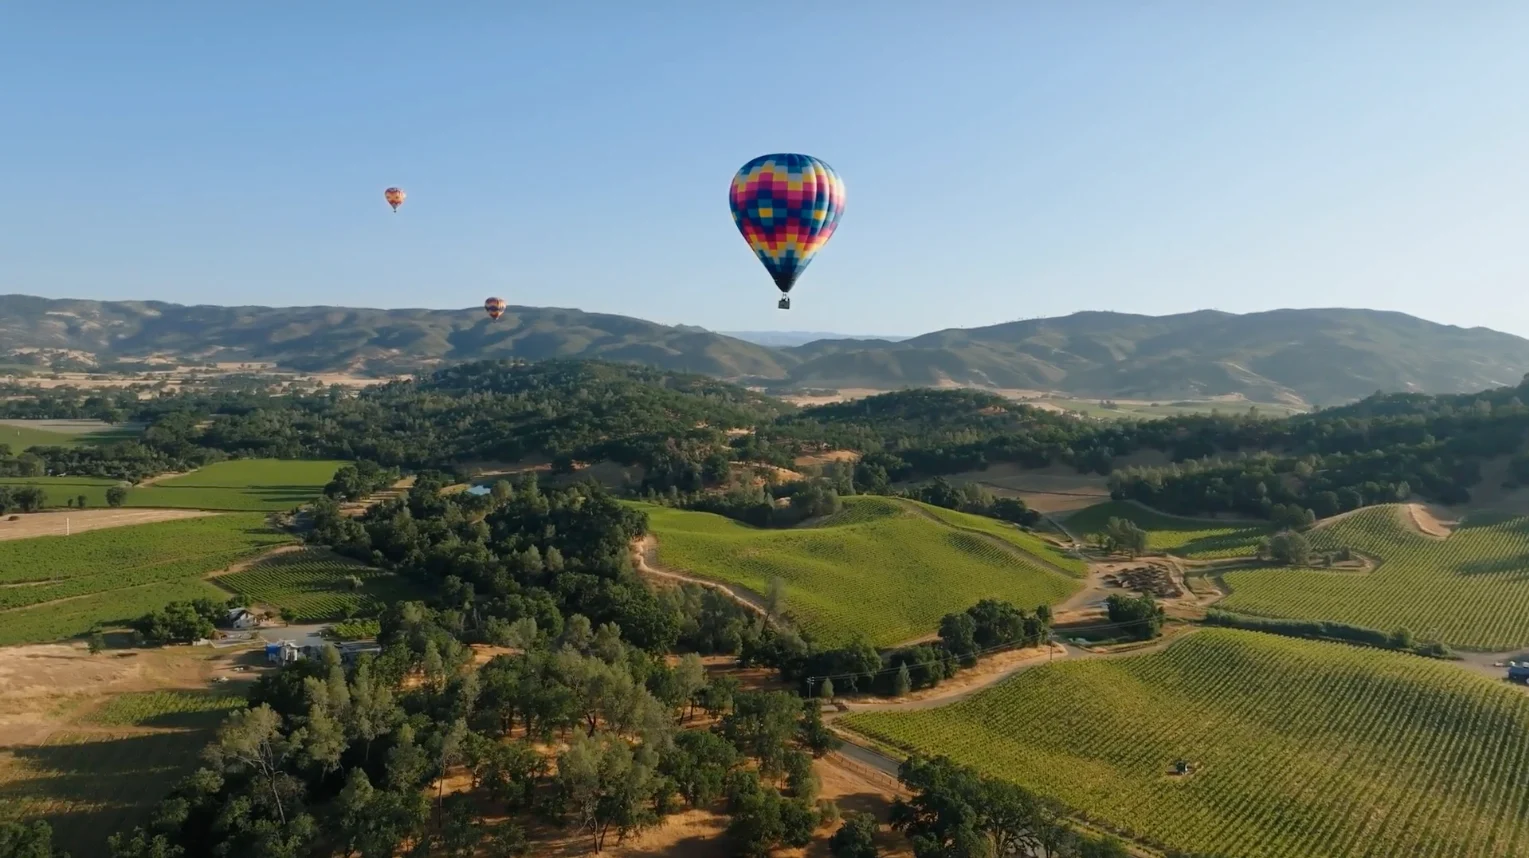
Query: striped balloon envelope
x,y
395,197
787,207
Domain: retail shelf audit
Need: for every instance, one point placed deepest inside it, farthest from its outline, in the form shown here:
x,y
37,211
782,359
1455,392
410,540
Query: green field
x,y
314,585
879,568
1470,590
237,485
1300,748
54,587
1195,538
63,490
21,434
1029,543
241,484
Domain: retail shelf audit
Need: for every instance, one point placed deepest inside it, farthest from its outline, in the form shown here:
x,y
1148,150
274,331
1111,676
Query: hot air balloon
x,y
787,207
395,197
495,307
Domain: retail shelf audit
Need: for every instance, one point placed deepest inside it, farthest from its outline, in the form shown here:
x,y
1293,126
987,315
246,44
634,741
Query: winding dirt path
x,y
645,558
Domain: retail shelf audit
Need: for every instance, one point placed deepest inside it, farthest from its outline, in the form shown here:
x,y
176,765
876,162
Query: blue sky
x,y
1002,160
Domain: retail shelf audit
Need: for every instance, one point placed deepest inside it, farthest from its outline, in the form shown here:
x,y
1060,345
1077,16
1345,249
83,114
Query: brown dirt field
x,y
1427,519
844,394
45,686
776,473
52,523
159,478
826,457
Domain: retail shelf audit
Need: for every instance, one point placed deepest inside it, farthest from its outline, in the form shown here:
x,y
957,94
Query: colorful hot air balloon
x,y
787,207
395,197
495,307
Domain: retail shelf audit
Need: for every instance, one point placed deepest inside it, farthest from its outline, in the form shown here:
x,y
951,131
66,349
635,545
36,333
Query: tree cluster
x,y
956,813
1138,616
353,482
181,622
22,499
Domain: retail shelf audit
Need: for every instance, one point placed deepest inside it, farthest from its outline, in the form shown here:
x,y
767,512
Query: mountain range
x,y
1304,357
800,338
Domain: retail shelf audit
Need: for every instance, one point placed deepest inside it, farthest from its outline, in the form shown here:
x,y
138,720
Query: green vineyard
x,y
1195,538
1297,748
313,584
1470,590
57,586
167,708
240,485
879,568
1027,542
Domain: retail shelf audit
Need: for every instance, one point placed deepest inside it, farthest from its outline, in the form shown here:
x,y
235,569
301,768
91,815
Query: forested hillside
x,y
683,431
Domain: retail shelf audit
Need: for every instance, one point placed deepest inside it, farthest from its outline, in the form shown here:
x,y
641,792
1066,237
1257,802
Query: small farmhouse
x,y
242,618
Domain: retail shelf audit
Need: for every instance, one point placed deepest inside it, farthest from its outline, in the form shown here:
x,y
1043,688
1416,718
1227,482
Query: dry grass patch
x,y
51,523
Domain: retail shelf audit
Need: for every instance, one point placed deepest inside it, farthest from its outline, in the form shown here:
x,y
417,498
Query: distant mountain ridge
x,y
779,339
1313,356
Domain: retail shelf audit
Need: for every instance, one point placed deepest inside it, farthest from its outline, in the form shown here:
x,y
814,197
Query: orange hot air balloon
x,y
495,307
395,197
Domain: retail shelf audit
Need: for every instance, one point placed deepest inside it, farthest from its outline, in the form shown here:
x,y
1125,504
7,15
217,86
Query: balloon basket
x,y
784,304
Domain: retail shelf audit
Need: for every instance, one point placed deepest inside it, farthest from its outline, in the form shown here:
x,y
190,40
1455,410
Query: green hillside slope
x,y
1298,748
879,568
1469,590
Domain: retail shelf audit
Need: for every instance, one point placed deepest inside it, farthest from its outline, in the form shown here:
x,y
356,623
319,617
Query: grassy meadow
x,y
21,434
879,568
54,587
1299,748
1469,590
315,585
237,485
1194,538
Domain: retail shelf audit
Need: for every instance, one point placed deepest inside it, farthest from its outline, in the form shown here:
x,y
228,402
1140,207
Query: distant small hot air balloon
x,y
495,307
787,207
395,197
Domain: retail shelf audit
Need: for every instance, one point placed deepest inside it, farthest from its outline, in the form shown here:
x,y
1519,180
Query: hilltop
x,y
1316,357
380,342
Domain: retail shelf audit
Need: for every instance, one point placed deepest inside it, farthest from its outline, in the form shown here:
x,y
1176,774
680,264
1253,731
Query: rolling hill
x,y
1301,357
1321,357
312,339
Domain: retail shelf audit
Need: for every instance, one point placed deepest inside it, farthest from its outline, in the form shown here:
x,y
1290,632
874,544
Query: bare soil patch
x,y
51,523
45,687
827,456
990,670
1431,520
843,394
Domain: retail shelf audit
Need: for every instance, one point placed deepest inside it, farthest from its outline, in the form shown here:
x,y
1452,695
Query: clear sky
x,y
1002,160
